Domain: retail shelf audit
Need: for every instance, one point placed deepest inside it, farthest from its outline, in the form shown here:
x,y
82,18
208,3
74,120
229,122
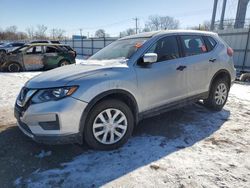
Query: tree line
x,y
38,32
153,23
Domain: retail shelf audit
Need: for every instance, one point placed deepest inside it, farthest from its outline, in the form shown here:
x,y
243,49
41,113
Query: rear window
x,y
210,42
193,45
51,49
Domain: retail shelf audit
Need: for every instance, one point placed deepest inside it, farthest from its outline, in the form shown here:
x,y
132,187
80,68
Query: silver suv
x,y
101,100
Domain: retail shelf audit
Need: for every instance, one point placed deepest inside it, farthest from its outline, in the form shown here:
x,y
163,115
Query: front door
x,y
162,82
33,58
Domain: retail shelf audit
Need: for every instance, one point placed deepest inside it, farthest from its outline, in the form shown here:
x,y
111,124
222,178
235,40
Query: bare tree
x,y
156,22
100,33
41,32
11,29
57,34
31,32
127,32
11,33
206,25
21,35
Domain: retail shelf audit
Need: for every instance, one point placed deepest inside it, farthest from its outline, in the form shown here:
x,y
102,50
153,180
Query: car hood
x,y
63,75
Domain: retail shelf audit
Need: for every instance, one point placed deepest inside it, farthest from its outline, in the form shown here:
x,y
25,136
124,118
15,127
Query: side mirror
x,y
149,58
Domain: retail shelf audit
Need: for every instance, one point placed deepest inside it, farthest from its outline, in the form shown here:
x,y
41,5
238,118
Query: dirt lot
x,y
188,147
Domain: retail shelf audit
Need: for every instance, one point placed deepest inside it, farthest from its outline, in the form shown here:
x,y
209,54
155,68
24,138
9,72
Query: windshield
x,y
20,49
120,49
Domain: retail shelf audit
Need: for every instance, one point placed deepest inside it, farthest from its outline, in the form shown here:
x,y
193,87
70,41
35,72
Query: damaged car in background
x,y
37,56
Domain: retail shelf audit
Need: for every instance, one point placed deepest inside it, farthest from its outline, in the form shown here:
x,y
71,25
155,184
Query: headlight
x,y
53,94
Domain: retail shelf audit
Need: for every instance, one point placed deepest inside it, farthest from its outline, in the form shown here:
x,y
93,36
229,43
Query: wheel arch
x,y
3,50
223,73
119,94
9,62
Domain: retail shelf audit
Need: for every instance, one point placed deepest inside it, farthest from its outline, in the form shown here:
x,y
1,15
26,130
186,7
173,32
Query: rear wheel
x,y
218,95
63,63
109,125
13,67
245,77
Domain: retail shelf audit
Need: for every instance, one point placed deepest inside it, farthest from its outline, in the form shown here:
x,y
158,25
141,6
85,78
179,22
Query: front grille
x,y
18,115
24,96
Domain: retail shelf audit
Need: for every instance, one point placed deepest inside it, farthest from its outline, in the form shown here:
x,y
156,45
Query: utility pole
x,y
241,13
136,25
223,14
81,33
213,15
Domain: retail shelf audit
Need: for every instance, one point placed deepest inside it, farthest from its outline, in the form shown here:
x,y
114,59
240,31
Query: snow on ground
x,y
11,83
206,149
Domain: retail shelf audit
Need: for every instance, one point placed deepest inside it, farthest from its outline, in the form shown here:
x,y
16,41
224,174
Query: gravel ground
x,y
188,147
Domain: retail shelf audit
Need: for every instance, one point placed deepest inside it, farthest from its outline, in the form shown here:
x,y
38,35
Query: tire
x,y
245,77
95,130
63,63
218,95
13,67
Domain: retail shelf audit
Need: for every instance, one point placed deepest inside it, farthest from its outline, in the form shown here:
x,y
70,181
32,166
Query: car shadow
x,y
153,139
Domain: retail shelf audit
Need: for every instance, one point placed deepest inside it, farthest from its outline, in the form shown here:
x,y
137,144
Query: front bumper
x,y
56,139
52,122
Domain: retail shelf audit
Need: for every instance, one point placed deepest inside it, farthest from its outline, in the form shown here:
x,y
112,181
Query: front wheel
x,y
13,67
109,125
218,95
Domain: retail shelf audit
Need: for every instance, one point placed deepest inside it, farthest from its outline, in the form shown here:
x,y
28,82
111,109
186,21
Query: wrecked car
x,y
37,57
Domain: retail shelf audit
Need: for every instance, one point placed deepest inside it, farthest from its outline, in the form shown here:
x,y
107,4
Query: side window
x,y
51,49
210,42
30,50
166,49
193,45
34,50
38,49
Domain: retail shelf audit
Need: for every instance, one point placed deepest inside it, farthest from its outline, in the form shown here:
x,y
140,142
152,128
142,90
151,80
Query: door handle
x,y
181,67
212,60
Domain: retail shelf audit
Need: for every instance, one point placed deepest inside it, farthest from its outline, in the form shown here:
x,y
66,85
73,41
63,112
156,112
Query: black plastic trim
x,y
172,105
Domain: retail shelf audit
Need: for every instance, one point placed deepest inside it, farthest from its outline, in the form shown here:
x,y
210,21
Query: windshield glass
x,y
20,49
120,49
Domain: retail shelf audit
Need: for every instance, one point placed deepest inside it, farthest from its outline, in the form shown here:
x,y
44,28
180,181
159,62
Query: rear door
x,y
52,56
33,58
196,59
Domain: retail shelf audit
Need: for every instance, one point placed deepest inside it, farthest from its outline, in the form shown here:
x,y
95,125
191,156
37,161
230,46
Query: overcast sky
x,y
112,15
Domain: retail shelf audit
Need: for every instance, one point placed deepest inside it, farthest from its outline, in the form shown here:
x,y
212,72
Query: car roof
x,y
45,44
164,32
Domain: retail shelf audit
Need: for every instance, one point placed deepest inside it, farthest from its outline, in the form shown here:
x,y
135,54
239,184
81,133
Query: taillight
x,y
230,51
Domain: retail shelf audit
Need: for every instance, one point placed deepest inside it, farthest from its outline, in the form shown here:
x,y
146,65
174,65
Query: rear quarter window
x,y
210,43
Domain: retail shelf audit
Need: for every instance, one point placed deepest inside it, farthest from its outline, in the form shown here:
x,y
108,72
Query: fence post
x,y
92,46
82,45
246,50
104,41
